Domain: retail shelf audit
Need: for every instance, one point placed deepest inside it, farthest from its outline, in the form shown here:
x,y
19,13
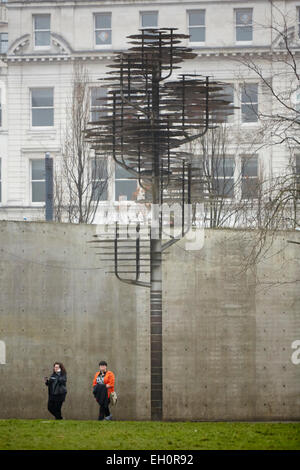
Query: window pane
x,y
103,37
42,22
249,93
42,97
38,191
97,93
244,16
3,42
227,93
42,38
125,190
197,34
149,19
298,164
197,18
223,187
38,169
250,166
103,21
244,33
97,105
99,192
42,117
122,173
249,188
249,112
222,167
99,169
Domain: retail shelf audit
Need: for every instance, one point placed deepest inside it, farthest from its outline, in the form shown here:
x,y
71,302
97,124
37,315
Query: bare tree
x,y
277,71
81,181
232,184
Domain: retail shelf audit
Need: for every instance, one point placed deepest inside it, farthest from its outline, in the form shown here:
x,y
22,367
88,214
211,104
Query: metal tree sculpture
x,y
148,120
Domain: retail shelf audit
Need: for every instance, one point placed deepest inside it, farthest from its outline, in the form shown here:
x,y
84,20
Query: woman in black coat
x,y
57,389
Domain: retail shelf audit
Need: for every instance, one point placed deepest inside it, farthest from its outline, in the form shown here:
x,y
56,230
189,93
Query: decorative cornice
x,y
66,53
54,58
18,44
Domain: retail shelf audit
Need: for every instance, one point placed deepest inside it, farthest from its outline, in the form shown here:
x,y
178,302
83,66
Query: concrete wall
x,y
230,337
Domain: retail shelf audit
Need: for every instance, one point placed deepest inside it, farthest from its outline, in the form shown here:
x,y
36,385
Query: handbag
x,y
113,398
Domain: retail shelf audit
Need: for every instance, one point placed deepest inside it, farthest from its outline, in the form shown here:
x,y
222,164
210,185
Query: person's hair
x,y
62,368
103,363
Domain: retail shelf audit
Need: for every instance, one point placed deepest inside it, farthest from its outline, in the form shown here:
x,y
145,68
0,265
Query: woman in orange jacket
x,y
103,378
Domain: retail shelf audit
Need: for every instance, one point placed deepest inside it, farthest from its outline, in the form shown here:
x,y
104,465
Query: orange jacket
x,y
109,379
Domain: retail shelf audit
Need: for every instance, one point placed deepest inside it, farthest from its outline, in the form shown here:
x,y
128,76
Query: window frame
x,y
1,110
44,47
3,42
32,181
202,27
239,25
118,201
224,177
1,181
249,104
102,46
41,107
97,108
251,177
297,175
142,12
105,160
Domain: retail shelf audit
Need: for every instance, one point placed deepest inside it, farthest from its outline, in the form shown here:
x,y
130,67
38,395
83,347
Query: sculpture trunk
x,y
156,262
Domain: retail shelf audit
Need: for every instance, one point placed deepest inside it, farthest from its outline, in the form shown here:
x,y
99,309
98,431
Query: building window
x,y
41,30
3,43
42,109
196,19
226,115
222,172
38,176
0,108
295,102
103,35
249,102
243,24
99,179
228,95
297,169
149,19
249,177
0,180
98,102
125,185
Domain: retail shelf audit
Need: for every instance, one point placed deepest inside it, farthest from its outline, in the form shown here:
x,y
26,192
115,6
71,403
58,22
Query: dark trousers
x,y
104,411
54,407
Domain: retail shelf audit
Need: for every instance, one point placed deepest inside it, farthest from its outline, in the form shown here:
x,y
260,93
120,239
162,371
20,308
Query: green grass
x,y
18,434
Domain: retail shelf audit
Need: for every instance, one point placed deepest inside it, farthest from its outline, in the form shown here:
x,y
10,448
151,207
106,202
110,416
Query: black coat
x,y
57,386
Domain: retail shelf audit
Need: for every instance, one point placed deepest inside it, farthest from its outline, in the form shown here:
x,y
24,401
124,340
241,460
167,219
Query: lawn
x,y
18,434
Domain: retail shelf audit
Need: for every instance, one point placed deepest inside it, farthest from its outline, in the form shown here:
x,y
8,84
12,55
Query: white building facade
x,y
41,41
